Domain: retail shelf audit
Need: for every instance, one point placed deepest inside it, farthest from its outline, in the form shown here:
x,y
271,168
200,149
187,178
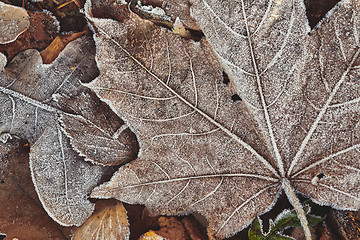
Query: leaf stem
x,y
290,193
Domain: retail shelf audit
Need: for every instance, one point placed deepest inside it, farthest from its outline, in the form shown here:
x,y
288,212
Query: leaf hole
x,y
321,175
236,98
195,35
318,177
226,79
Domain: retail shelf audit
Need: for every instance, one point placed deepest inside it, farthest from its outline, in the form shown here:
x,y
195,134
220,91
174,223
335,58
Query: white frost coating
x,y
155,11
279,58
53,17
61,178
3,61
295,202
4,137
13,22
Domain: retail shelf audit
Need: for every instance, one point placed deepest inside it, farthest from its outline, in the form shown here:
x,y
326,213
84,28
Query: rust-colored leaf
x,y
195,230
171,228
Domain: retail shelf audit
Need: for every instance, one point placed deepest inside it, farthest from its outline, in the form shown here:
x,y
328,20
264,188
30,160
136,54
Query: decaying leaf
x,y
296,129
171,228
109,221
347,224
13,21
34,96
21,214
195,230
114,9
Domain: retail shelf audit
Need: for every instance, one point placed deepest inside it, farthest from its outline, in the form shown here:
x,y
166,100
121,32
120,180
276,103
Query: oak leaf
x,y
34,97
202,148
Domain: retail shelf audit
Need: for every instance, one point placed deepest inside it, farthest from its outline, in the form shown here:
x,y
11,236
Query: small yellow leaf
x,y
109,221
57,45
180,30
151,235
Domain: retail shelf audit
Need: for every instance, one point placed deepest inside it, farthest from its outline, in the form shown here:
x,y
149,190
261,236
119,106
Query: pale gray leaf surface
x,y
27,91
332,89
200,152
276,31
95,131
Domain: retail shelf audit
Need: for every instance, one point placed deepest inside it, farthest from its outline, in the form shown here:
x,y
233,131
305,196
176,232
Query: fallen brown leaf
x,y
194,228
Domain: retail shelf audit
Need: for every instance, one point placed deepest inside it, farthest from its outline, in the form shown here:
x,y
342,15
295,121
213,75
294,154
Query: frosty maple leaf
x,y
296,129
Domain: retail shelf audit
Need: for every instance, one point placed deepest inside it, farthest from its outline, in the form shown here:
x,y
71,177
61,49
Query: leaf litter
x,y
286,121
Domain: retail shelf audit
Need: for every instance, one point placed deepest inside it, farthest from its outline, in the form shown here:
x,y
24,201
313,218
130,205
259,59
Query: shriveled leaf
x,y
195,230
114,9
347,224
13,21
21,213
109,221
171,228
28,90
208,151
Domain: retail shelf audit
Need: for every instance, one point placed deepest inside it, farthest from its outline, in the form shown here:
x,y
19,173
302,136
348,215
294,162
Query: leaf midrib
x,y
210,119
